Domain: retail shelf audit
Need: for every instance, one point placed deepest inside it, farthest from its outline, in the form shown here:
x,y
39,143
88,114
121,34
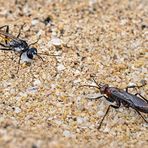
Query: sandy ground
x,y
43,106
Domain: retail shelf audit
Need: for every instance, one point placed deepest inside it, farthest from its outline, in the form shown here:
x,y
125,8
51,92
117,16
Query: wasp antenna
x,y
89,86
40,57
99,85
53,55
49,54
19,63
22,26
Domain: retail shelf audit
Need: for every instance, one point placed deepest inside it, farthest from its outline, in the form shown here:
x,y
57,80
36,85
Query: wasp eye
x,y
30,55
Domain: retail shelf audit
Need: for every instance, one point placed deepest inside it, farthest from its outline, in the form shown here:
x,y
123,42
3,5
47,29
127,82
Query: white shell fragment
x,y
56,41
17,110
60,67
37,82
80,120
34,22
67,133
32,89
131,84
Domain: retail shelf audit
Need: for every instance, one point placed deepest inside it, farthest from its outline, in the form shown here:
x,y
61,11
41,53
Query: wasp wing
x,y
7,36
128,98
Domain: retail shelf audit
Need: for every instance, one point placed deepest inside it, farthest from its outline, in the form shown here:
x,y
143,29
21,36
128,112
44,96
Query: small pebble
x,y
106,130
60,67
80,120
67,133
32,89
37,82
34,22
131,84
56,41
100,113
17,110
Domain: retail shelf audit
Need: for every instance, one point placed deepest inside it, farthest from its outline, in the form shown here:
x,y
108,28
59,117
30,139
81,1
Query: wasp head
x,y
31,52
103,88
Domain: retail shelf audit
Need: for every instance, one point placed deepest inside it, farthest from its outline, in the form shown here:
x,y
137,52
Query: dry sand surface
x,y
43,106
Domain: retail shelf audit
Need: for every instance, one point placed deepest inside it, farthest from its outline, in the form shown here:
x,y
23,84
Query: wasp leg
x,y
96,97
19,63
3,45
7,28
40,57
135,86
141,97
141,116
33,77
22,26
116,107
5,49
7,31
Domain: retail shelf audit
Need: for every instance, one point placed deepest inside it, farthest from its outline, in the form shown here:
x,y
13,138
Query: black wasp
x,y
119,96
12,43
